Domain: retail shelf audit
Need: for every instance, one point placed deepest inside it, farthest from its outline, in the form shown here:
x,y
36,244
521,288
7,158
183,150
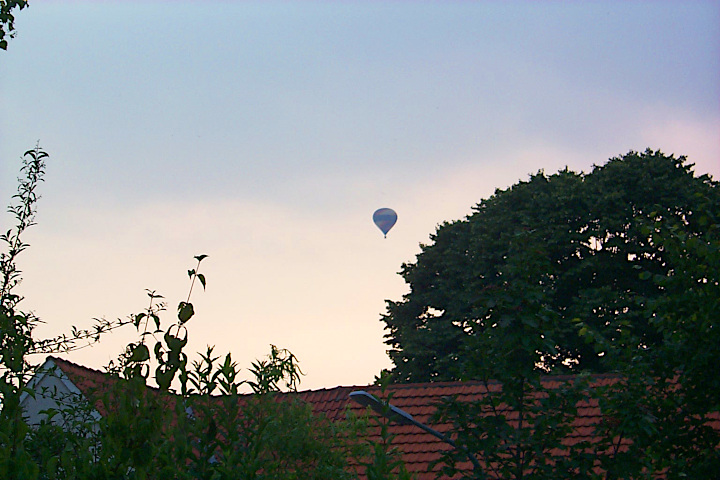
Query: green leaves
x,y
185,312
7,19
139,353
16,327
610,271
543,252
280,367
174,343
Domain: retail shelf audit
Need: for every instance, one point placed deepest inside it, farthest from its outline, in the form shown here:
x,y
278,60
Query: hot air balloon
x,y
385,218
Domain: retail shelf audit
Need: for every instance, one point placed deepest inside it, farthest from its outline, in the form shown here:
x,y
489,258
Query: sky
x,y
265,134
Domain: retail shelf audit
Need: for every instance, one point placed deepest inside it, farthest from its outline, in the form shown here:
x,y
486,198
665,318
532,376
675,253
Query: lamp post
x,y
401,417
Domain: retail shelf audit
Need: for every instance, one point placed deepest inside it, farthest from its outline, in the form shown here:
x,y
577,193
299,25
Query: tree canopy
x,y
7,19
613,271
540,272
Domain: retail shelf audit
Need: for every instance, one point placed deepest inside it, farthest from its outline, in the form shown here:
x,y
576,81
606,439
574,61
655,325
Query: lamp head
x,y
386,409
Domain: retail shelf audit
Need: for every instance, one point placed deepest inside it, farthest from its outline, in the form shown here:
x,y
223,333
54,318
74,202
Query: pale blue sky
x,y
265,134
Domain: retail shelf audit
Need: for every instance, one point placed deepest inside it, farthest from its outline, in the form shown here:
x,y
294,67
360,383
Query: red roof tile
x,y
419,448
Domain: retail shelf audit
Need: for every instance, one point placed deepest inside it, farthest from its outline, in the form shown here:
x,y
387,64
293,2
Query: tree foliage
x,y
611,271
7,19
542,256
16,327
669,391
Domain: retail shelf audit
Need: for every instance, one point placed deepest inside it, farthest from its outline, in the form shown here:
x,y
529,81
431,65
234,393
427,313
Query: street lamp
x,y
399,416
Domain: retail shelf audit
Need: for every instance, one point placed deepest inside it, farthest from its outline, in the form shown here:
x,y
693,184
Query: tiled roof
x,y
419,449
85,379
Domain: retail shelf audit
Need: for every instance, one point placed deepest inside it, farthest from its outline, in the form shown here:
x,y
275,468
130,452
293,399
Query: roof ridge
x,y
75,365
88,371
338,387
474,382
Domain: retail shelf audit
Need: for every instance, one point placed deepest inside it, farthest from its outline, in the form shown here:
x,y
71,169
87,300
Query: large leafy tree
x,y
610,271
556,259
668,395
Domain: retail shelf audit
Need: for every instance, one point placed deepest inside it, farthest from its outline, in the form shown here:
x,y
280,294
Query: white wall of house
x,y
52,390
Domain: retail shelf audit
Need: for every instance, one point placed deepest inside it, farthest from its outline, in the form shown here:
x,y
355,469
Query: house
x,y
420,449
53,388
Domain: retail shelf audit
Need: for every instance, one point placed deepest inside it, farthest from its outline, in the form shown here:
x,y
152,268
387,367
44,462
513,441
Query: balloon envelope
x,y
385,218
